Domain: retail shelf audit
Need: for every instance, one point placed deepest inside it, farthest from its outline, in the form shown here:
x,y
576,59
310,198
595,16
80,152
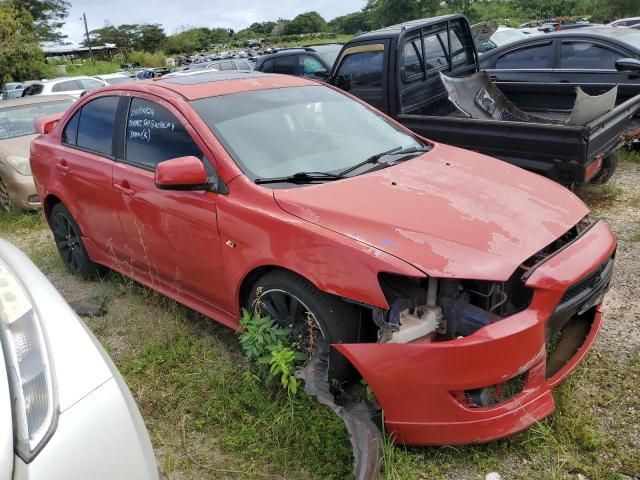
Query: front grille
x,y
581,292
585,284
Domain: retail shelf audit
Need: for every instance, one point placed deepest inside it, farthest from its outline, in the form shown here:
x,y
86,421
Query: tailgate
x,y
604,132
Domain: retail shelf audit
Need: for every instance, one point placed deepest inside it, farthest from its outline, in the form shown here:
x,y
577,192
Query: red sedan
x,y
461,288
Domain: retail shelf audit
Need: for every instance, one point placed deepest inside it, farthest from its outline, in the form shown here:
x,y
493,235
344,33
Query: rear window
x,y
413,58
287,65
18,121
95,126
66,86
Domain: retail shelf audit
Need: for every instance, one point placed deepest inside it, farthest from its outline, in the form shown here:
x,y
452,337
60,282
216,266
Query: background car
x,y
113,78
74,86
16,132
313,62
12,90
72,414
151,73
625,22
217,65
595,58
502,36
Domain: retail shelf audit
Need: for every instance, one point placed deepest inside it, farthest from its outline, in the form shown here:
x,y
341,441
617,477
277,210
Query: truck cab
x,y
398,70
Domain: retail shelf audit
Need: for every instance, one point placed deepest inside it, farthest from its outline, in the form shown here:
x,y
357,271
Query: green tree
x,y
21,57
48,16
351,23
152,38
382,13
310,22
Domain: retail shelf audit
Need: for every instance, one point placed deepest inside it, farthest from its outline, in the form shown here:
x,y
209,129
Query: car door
x,y
523,73
84,163
361,71
172,235
591,64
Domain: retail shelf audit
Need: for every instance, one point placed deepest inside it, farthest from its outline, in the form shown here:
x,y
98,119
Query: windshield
x,y
279,132
330,56
18,121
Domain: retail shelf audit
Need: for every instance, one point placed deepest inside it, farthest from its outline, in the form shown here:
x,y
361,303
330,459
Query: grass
x,y
629,156
20,220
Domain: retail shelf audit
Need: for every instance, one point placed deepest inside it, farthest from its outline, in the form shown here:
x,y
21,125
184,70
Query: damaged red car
x,y
461,288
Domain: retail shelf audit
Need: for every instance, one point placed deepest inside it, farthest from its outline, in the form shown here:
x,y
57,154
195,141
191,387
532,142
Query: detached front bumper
x,y
417,383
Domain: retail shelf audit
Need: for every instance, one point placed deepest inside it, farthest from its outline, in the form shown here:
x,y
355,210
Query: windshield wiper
x,y
301,178
394,151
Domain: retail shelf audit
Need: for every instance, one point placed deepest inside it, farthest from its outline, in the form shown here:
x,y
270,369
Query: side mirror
x,y
46,123
184,173
628,65
322,73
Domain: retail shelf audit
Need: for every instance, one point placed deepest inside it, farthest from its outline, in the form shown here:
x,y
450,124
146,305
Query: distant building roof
x,y
52,50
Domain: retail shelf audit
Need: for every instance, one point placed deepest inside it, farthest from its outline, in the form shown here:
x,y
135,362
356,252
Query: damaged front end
x,y
458,361
444,309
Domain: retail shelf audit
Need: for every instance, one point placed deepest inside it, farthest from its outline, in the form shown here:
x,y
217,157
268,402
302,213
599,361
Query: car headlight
x,y
28,367
19,164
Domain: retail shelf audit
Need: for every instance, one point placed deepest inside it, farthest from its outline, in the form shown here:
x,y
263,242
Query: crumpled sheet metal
x,y
589,107
476,96
365,437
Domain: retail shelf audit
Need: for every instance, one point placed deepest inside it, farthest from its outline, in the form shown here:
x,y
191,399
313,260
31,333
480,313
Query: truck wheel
x,y
609,166
295,303
68,238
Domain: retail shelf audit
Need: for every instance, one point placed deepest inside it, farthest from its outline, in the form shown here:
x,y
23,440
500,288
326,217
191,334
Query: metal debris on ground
x,y
365,437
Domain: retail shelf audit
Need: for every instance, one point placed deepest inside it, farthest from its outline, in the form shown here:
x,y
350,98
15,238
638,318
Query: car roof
x,y
64,79
213,83
34,99
627,37
395,30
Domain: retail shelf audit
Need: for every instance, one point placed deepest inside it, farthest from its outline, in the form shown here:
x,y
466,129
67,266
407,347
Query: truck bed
x,y
560,152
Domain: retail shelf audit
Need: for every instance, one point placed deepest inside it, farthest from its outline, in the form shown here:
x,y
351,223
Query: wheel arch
x,y
50,201
252,277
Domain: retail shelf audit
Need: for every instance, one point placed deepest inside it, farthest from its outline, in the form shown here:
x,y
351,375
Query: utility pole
x,y
86,31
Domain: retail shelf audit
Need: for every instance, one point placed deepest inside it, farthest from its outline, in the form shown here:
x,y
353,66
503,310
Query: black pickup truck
x,y
397,70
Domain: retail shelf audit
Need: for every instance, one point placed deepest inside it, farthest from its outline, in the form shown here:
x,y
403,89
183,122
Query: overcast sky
x,y
173,14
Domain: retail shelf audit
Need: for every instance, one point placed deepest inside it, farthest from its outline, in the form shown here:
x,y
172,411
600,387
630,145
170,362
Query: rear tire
x,y
68,238
295,303
609,166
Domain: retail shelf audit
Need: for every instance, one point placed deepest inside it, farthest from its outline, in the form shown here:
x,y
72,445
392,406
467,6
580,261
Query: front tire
x,y
68,238
311,314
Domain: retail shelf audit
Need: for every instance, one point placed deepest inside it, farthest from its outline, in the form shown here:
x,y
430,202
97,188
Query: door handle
x,y
123,188
63,167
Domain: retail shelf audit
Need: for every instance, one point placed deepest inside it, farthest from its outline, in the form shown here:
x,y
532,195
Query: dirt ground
x,y
209,417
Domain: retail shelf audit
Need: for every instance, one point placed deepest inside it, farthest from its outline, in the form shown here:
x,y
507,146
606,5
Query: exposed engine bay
x,y
444,309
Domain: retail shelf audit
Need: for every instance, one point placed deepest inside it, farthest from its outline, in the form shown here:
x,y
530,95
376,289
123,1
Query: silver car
x,y
73,416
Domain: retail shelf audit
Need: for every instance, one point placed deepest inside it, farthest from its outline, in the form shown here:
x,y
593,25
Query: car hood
x,y
16,146
450,212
